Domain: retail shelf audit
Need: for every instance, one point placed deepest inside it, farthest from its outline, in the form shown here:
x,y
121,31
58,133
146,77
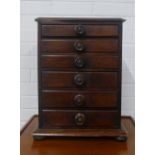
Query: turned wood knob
x,y
80,119
78,46
79,62
79,30
79,80
79,100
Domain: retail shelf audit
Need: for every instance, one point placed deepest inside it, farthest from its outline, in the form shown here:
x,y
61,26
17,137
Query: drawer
x,y
69,80
79,46
79,119
79,30
79,99
81,62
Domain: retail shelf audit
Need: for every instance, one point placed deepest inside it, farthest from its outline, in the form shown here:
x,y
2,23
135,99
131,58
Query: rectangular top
x,y
47,20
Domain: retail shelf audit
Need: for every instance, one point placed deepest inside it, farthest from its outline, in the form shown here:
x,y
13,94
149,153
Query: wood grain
x,y
90,62
66,119
82,56
66,99
69,30
67,45
76,146
66,80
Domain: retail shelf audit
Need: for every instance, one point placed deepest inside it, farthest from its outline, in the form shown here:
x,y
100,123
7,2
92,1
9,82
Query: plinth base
x,y
118,134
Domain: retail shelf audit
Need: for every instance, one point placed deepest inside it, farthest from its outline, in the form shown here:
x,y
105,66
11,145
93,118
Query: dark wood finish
x,y
67,119
66,21
69,80
90,45
68,99
71,30
77,146
83,62
79,77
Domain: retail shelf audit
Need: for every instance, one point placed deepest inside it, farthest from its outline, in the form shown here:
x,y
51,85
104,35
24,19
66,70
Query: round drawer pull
x,y
80,119
79,80
78,46
79,30
79,100
79,62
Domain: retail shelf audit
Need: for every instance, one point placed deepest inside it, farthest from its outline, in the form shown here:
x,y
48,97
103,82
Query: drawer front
x,y
79,46
85,62
79,99
92,80
79,119
79,30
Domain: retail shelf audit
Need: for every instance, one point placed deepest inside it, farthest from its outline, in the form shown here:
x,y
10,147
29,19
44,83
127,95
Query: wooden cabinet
x,y
79,78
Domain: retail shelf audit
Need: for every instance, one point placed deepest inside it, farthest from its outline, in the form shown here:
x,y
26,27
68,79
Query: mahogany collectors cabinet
x,y
79,78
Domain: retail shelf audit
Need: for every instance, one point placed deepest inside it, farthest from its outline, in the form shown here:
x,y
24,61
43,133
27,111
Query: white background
x,y
31,9
10,82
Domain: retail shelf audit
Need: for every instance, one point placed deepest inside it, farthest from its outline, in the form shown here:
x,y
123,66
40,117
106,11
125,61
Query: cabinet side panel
x,y
39,76
120,74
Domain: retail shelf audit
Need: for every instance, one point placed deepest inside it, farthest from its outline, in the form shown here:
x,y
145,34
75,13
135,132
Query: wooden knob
x,y
79,62
78,46
79,119
79,80
79,30
79,100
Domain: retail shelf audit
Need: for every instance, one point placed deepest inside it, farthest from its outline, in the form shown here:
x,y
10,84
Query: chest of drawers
x,y
79,78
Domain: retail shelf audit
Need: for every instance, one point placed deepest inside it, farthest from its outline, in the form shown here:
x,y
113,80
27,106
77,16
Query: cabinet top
x,y
47,20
